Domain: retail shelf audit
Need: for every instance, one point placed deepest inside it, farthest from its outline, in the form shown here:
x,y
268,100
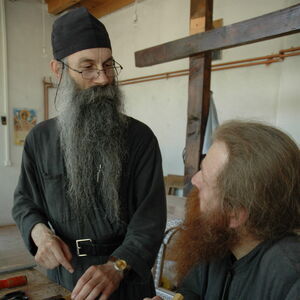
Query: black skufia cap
x,y
77,30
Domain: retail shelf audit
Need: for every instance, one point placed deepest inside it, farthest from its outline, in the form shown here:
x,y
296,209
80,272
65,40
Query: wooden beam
x,y
198,93
198,24
57,6
275,24
102,8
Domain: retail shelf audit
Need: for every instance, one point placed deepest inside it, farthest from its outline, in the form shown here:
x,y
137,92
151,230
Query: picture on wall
x,y
24,120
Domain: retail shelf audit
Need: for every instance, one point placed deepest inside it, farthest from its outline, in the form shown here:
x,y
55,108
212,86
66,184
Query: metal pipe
x,y
7,161
268,59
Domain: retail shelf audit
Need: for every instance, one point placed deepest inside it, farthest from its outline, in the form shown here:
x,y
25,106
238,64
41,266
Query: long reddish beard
x,y
203,237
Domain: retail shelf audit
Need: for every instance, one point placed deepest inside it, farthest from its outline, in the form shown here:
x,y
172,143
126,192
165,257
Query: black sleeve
x,y
192,286
294,292
27,208
147,225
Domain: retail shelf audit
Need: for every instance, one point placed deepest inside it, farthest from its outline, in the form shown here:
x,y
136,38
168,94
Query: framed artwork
x,y
24,120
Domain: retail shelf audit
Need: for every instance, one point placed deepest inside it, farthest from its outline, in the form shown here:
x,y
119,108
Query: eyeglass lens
x,y
110,71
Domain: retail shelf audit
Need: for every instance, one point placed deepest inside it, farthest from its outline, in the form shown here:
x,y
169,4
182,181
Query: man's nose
x,y
196,179
102,79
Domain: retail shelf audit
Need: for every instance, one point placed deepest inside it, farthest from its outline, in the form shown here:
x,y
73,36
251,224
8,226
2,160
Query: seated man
x,y
237,241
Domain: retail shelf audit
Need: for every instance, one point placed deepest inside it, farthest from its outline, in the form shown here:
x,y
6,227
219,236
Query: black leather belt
x,y
89,247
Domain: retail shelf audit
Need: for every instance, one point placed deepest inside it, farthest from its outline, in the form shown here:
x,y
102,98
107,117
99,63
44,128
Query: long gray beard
x,y
92,129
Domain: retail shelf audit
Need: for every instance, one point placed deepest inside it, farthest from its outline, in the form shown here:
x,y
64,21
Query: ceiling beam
x,y
103,8
57,6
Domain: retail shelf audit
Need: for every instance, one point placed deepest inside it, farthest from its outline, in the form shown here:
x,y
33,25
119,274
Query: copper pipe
x,y
151,79
155,75
289,50
248,65
247,60
268,59
290,54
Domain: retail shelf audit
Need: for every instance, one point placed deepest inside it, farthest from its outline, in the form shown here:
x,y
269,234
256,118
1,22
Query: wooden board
x,y
38,286
268,26
199,95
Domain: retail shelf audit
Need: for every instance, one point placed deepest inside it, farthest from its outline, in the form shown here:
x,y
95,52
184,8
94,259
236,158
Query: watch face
x,y
120,264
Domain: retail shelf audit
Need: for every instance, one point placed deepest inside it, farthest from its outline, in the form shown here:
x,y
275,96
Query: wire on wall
x,y
44,52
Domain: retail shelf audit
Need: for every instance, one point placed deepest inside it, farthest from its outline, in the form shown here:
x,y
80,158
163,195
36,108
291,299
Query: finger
x,y
109,289
46,259
90,290
66,250
103,297
82,281
50,261
97,291
105,294
60,257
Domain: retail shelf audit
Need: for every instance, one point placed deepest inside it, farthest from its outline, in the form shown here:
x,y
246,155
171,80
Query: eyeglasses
x,y
110,69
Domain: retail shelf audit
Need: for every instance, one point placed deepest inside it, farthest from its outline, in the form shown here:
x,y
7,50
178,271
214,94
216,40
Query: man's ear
x,y
238,217
56,68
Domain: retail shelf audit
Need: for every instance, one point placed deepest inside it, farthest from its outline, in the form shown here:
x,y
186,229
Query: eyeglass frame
x,y
98,70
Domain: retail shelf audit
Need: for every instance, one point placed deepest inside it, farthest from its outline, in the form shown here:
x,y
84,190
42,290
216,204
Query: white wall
x,y
27,65
269,93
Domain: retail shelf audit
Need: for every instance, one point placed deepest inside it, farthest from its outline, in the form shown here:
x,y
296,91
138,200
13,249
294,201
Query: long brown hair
x,y
262,175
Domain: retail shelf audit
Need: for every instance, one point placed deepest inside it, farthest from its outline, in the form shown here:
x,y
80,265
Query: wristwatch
x,y
119,264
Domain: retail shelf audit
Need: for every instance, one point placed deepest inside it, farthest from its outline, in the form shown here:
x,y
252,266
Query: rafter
x,y
102,8
57,6
98,8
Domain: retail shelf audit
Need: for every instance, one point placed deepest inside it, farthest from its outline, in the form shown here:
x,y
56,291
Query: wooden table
x,y
38,285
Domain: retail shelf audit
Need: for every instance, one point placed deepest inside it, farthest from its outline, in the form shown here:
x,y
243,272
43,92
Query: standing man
x,y
90,200
238,240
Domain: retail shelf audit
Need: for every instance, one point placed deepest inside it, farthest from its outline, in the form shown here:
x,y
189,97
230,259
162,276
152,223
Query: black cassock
x,y
40,197
271,271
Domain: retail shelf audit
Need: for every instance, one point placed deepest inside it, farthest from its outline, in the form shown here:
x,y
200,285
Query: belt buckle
x,y
78,246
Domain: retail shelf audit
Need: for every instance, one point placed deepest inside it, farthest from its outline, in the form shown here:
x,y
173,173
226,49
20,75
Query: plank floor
x,y
13,253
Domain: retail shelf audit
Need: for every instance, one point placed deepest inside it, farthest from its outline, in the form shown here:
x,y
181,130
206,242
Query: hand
x,y
154,298
52,251
101,279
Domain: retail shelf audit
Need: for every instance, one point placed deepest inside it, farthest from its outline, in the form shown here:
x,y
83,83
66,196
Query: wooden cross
x,y
198,47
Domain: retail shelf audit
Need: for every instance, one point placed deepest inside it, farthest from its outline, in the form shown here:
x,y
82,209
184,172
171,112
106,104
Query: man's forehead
x,y
215,160
89,59
95,54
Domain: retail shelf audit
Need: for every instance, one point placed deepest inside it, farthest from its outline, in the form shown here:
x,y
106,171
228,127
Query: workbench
x,y
38,286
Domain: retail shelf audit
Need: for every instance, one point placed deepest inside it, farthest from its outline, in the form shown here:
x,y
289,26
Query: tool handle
x,y
13,282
